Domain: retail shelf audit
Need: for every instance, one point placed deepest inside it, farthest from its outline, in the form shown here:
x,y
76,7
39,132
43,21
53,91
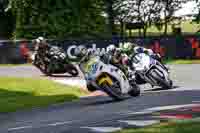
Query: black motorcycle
x,y
53,61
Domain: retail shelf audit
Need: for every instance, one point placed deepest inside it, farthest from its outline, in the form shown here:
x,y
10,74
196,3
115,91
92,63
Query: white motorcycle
x,y
108,78
149,70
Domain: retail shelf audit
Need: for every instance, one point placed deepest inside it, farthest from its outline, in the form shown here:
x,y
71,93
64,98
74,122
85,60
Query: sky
x,y
188,8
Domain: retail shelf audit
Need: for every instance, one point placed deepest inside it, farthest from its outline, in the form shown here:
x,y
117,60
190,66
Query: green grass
x,y
183,61
190,27
10,65
186,127
187,27
23,93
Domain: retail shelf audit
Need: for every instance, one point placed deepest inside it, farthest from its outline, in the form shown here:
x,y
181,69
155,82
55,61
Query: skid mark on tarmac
x,y
141,123
59,123
103,129
54,124
19,128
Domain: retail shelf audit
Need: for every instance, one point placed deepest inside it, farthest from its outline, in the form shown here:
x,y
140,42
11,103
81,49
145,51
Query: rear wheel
x,y
43,68
71,69
111,87
47,71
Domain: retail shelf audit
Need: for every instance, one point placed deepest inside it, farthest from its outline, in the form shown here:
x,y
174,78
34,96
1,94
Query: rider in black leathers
x,y
47,52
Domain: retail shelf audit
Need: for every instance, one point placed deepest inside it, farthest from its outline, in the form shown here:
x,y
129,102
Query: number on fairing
x,y
94,68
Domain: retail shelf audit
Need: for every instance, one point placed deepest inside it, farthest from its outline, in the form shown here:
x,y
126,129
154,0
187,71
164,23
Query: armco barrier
x,y
168,47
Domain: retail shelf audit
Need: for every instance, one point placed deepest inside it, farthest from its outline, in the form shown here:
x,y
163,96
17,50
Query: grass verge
x,y
186,27
183,61
23,93
12,65
172,127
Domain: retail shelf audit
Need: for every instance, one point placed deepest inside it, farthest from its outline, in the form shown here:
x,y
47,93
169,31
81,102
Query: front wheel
x,y
111,86
167,84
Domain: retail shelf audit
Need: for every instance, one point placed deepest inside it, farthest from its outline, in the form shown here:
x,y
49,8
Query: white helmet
x,y
111,48
40,39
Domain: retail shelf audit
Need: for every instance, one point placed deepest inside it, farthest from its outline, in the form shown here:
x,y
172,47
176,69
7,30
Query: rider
x,y
132,48
48,50
48,53
120,59
41,45
112,56
82,54
116,57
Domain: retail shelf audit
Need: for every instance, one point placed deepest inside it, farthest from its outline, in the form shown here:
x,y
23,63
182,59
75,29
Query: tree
x,y
7,21
3,5
57,18
146,12
170,7
197,16
110,15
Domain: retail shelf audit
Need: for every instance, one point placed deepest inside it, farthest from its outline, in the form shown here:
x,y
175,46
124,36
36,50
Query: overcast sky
x,y
188,8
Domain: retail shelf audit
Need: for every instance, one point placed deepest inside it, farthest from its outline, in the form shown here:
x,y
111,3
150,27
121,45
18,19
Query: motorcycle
x,y
55,64
108,78
149,70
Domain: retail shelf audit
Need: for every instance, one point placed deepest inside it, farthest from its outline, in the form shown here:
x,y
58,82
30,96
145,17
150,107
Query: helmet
x,y
42,39
41,42
128,46
111,48
80,51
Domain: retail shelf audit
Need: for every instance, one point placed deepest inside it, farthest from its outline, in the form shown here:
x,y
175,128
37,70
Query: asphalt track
x,y
101,114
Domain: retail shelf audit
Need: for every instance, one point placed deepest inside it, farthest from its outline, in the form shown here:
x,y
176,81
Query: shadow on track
x,y
62,76
59,76
162,89
106,100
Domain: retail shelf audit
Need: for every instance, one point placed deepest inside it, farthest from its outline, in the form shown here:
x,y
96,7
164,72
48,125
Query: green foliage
x,y
57,18
147,12
197,16
7,21
84,18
